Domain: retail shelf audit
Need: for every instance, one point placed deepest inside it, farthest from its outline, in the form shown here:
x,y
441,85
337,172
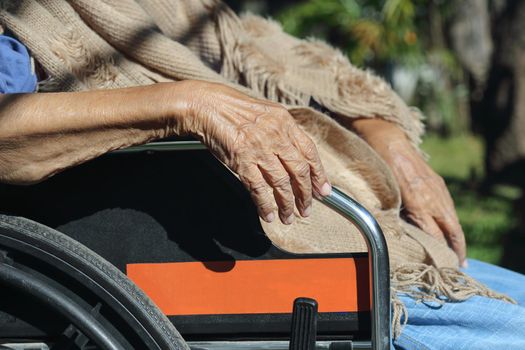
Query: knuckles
x,y
302,171
309,149
282,183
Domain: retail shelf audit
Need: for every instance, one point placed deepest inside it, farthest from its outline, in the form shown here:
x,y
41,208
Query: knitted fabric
x,y
106,44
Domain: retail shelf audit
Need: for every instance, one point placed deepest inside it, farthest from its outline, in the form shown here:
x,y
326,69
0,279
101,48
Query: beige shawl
x,y
106,44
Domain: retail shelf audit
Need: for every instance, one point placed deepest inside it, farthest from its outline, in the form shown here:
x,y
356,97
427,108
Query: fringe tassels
x,y
426,283
335,84
399,314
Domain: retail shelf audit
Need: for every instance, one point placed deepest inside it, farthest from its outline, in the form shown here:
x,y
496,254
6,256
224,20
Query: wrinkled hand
x,y
426,200
260,141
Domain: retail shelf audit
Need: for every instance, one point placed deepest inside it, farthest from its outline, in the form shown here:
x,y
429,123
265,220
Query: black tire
x,y
75,270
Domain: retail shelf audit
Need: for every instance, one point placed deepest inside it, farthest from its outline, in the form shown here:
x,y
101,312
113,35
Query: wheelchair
x,y
112,255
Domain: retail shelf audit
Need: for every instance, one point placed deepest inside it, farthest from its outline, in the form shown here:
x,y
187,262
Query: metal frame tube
x,y
378,258
166,146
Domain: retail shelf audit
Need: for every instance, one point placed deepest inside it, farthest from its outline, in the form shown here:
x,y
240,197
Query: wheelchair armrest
x,y
165,146
355,213
378,260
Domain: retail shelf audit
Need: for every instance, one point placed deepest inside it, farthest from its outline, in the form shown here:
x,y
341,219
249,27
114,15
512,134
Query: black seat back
x,y
178,207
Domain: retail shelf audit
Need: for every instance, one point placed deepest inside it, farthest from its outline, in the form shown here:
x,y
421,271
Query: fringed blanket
x,y
107,44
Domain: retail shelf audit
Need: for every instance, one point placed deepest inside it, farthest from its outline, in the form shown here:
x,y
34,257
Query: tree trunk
x,y
471,38
499,113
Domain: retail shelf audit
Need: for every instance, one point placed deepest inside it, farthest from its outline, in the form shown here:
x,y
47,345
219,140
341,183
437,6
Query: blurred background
x,y
463,64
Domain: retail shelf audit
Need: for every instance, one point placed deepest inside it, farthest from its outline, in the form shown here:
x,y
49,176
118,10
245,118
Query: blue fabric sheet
x,y
16,74
478,323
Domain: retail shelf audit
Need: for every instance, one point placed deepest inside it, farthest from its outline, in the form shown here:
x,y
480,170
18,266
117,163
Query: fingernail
x,y
288,220
465,264
326,189
307,211
270,217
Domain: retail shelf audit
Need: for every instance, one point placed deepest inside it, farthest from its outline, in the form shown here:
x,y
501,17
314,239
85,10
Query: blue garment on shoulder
x,y
478,323
16,74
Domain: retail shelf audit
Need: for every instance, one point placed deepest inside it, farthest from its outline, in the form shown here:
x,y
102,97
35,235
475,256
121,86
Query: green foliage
x,y
459,157
389,33
369,31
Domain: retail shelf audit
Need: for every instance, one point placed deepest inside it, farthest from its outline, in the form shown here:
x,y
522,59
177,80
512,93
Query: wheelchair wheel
x,y
56,291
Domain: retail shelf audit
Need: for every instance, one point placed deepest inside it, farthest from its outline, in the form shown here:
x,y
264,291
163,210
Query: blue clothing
x,y
16,74
478,323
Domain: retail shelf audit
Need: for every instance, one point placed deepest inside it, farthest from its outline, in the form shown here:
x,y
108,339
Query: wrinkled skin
x,y
256,139
261,142
426,200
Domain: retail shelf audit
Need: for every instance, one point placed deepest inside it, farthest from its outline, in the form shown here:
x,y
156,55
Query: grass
x,y
486,219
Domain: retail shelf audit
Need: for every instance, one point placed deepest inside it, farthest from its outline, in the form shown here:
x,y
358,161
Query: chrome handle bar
x,y
378,262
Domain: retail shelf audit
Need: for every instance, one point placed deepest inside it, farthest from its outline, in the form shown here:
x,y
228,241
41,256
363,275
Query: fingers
x,y
444,228
299,172
276,176
305,145
288,176
427,224
449,223
295,173
262,143
260,192
454,233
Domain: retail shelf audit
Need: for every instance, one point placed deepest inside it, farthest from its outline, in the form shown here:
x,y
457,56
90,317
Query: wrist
x,y
188,97
383,136
174,108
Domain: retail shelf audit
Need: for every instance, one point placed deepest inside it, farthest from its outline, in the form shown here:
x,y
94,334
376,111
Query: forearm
x,y
258,140
381,135
391,144
42,134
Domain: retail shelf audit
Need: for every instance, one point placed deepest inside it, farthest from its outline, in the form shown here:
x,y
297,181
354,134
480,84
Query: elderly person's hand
x,y
256,139
261,142
426,199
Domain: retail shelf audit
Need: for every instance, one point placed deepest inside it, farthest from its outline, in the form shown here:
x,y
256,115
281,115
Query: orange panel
x,y
254,286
